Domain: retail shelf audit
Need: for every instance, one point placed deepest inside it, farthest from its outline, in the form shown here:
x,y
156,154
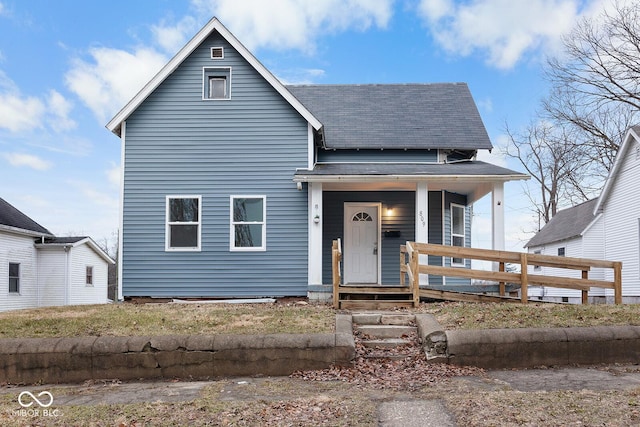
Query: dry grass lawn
x,y
168,319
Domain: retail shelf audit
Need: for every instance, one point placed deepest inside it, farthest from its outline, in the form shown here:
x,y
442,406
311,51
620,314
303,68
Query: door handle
x,y
375,249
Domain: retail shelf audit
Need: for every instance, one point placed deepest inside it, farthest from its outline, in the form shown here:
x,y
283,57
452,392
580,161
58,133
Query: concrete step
x,y
386,331
374,304
387,356
385,343
383,319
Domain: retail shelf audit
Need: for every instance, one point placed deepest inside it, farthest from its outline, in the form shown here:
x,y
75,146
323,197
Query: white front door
x,y
361,241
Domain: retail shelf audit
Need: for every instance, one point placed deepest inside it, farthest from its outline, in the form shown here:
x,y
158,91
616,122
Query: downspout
x,y
66,275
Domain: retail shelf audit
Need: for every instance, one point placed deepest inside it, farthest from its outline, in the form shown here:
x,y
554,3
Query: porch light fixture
x,y
389,211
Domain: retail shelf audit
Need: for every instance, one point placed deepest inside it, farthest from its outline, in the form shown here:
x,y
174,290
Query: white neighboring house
x,y
604,228
38,269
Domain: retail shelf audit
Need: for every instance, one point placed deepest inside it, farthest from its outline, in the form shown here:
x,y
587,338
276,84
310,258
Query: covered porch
x,y
375,208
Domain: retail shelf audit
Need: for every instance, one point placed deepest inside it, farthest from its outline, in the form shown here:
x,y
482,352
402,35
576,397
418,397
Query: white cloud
x,y
501,30
113,174
292,24
20,113
34,162
112,77
172,38
59,109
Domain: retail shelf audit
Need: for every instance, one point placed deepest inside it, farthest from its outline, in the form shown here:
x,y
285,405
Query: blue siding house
x,y
234,185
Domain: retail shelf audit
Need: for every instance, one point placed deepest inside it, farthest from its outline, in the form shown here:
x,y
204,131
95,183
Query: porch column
x,y
422,222
497,219
315,233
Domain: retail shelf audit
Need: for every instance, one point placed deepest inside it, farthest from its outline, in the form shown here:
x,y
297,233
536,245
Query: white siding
x,y
573,248
79,292
593,248
621,220
18,249
51,276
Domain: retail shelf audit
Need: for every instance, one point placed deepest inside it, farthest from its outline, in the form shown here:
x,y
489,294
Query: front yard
x,y
202,319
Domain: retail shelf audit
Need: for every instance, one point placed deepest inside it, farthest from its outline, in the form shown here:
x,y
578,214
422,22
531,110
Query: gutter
x,y
411,178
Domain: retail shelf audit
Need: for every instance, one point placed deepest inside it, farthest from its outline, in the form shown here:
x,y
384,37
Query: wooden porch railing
x,y
413,269
336,259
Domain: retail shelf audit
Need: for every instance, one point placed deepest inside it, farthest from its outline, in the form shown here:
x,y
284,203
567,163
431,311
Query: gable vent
x,y
217,53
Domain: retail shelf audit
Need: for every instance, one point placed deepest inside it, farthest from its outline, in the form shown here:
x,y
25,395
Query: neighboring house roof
x,y
13,220
471,169
74,242
632,135
115,125
396,116
566,224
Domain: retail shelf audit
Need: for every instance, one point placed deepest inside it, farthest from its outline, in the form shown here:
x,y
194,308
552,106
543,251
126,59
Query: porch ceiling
x,y
472,178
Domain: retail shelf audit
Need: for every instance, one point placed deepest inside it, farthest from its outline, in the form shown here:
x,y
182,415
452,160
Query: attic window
x,y
217,53
216,83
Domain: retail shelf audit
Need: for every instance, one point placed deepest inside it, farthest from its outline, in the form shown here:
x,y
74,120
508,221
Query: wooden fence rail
x,y
412,268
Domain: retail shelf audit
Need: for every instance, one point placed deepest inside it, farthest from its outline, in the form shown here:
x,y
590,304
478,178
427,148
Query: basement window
x,y
216,83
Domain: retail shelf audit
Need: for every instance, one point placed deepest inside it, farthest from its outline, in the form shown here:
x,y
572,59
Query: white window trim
x,y
207,73
9,277
167,232
215,58
464,226
232,224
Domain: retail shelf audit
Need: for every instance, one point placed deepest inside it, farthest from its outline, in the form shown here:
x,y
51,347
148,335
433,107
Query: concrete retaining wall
x,y
72,360
526,348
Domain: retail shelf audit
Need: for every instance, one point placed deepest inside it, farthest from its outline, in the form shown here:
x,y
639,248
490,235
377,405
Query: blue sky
x,y
67,66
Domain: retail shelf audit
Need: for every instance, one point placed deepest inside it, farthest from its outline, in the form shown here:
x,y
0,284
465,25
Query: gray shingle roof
x,y
396,116
470,168
566,224
12,217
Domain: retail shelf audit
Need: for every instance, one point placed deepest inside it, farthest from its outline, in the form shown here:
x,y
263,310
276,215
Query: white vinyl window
x,y
14,277
457,231
183,223
216,83
248,231
89,275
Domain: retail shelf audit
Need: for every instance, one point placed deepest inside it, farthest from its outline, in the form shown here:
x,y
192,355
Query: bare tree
x,y
595,97
596,84
548,154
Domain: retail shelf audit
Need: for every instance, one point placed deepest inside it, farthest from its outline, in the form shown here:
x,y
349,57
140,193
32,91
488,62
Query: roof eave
x,y
25,232
93,245
301,177
115,124
631,134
